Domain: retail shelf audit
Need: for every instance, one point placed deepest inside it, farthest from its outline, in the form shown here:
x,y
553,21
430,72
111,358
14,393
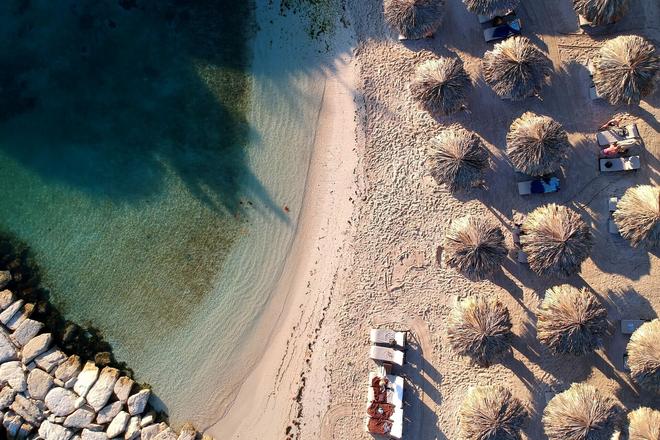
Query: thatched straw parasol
x,y
599,12
536,145
571,321
492,413
580,413
414,19
441,85
480,328
490,7
637,215
516,69
643,424
474,247
626,69
556,241
644,356
458,158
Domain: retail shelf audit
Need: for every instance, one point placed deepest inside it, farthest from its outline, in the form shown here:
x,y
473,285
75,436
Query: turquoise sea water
x,y
148,150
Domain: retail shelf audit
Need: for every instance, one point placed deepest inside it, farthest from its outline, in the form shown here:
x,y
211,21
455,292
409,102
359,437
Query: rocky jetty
x,y
45,394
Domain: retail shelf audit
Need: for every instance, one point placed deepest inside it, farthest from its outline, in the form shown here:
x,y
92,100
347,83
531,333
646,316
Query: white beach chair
x,y
611,203
384,354
593,93
394,393
397,424
630,163
628,326
387,337
611,135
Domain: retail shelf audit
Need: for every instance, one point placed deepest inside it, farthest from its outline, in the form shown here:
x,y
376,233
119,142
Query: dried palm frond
x,y
458,158
571,321
644,356
414,19
492,413
474,247
516,68
637,215
626,69
441,85
536,145
556,241
599,12
480,328
490,7
581,413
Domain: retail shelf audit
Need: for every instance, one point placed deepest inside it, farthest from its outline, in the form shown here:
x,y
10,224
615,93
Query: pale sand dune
x,y
386,271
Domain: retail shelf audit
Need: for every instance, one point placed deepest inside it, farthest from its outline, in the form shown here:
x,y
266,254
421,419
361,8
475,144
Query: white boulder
x,y
100,393
118,424
138,402
86,379
61,402
80,418
68,369
36,346
26,331
6,298
188,432
49,360
38,383
32,411
133,428
7,349
13,374
20,316
7,395
10,311
123,388
108,412
88,434
53,431
167,434
151,431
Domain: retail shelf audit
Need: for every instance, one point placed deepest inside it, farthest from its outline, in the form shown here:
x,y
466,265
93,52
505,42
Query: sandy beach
x,y
367,250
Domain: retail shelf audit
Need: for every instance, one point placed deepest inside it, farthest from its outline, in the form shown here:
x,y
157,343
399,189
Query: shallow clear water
x,y
149,184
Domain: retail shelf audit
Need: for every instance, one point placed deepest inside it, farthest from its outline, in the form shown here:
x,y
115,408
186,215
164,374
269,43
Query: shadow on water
x,y
108,96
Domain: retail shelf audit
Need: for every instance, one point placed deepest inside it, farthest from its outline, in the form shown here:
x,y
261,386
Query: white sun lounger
x,y
387,337
611,135
384,354
630,163
544,186
593,93
628,326
395,398
611,203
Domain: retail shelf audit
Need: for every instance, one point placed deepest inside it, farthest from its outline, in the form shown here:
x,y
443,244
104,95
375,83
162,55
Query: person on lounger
x,y
614,122
616,148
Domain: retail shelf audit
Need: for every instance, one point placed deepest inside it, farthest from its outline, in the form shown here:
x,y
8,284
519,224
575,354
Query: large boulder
x,y
100,393
7,349
86,379
138,402
151,431
13,374
10,311
49,360
20,316
61,402
6,298
93,435
80,418
68,369
188,432
5,278
39,383
108,412
26,331
53,431
133,428
123,388
118,424
32,411
36,346
7,395
167,434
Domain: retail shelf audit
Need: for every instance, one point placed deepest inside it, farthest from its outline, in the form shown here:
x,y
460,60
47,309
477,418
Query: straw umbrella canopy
x,y
644,356
599,12
516,68
492,413
580,413
637,215
571,321
536,145
441,85
480,328
643,424
414,19
490,8
626,69
556,241
475,247
457,158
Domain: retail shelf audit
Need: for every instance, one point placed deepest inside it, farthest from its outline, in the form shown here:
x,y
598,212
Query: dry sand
x,y
367,253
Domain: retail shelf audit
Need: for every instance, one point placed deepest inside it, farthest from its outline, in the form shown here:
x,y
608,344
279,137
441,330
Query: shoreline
x,y
301,297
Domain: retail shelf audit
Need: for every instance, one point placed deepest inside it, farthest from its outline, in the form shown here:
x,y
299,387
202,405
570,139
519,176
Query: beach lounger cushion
x,y
611,135
619,164
387,337
384,354
503,31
